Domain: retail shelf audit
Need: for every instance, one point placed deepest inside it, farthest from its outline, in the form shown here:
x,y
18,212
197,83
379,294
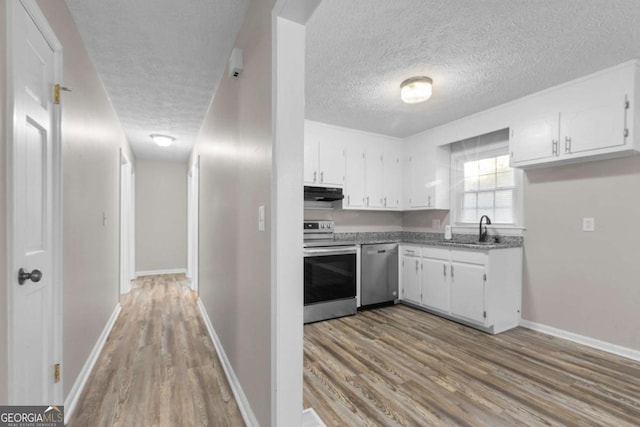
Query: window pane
x,y
487,212
504,199
471,184
487,182
505,179
487,166
468,215
470,169
503,215
485,200
502,163
470,201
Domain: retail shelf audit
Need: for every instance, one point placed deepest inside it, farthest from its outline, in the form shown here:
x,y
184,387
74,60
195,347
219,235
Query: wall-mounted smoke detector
x,y
236,64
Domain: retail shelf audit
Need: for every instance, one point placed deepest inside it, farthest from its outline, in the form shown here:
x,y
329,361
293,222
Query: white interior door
x,y
34,284
193,193
125,224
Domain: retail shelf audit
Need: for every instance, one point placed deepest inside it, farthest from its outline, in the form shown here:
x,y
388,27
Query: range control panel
x,y
316,226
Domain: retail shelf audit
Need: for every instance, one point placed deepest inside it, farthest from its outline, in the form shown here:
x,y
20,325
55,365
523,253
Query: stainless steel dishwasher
x,y
379,274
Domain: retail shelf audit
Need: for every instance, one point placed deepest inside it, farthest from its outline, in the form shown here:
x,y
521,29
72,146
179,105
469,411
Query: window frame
x,y
475,153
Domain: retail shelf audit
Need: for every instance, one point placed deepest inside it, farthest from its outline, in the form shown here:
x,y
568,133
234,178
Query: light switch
x,y
260,218
588,224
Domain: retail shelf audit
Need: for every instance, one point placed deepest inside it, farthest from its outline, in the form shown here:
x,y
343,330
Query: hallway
x,y
159,366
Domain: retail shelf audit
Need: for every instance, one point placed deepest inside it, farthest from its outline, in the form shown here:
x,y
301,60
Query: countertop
x,y
465,241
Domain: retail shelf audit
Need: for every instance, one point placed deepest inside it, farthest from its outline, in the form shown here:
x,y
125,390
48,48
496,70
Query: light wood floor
x,y
399,366
159,366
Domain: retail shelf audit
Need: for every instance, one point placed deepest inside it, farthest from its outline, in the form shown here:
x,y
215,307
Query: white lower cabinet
x,y
481,288
410,273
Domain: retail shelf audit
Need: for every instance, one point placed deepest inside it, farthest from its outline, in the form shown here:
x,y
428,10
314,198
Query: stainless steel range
x,y
329,273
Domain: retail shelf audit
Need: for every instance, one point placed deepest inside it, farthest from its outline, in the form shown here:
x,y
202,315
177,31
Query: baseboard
x,y
74,395
159,272
241,399
584,340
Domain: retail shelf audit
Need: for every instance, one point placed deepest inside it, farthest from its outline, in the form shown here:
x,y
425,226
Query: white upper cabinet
x,y
373,175
426,183
324,156
392,177
354,192
589,119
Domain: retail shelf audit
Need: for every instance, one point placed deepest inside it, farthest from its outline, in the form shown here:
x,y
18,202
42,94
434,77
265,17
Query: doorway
x,y
193,194
35,212
127,224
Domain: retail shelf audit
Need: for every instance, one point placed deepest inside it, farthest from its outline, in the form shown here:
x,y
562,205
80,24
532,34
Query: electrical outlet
x,y
435,223
588,224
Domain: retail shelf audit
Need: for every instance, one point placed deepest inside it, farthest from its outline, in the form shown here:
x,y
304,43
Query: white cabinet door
x,y
331,163
310,159
421,186
594,125
411,279
354,194
392,177
467,291
435,283
536,139
373,177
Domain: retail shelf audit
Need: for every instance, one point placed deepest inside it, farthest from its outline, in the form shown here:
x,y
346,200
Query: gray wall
x,y
586,283
235,178
91,139
3,208
161,215
353,221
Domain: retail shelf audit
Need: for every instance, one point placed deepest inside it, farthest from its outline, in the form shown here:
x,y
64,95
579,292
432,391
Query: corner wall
x,y
91,138
161,216
234,146
584,282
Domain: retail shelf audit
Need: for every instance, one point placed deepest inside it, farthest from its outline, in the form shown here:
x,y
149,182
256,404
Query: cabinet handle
x,y
429,201
321,177
452,271
567,144
385,202
444,270
315,175
417,265
348,200
367,200
554,147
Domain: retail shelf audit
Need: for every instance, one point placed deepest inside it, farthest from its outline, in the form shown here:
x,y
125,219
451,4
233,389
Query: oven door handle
x,y
308,252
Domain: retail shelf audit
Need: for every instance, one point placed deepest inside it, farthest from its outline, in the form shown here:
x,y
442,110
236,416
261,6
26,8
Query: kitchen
x,y
572,233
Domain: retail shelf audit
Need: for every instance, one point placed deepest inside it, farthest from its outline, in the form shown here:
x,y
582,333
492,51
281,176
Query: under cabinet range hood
x,y
322,194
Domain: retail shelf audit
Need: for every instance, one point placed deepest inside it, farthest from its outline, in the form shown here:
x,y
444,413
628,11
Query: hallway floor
x,y
159,366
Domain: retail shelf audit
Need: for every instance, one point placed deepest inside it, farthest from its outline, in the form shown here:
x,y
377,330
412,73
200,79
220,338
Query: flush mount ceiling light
x,y
416,90
162,140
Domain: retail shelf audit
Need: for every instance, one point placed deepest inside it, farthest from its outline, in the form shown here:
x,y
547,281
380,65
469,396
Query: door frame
x,y
45,29
193,220
126,222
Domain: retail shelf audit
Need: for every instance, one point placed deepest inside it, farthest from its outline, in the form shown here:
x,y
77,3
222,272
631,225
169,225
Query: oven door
x,y
329,274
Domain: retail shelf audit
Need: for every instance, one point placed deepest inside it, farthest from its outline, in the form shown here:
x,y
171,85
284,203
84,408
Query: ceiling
x,y
160,61
479,54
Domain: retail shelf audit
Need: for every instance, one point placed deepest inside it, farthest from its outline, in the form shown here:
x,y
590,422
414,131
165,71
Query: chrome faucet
x,y
483,233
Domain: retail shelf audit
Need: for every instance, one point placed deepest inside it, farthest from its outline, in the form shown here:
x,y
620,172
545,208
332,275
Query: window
x,y
485,184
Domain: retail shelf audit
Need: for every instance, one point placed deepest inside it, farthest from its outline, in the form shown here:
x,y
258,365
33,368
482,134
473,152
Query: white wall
x,y
91,138
584,282
3,209
161,215
234,145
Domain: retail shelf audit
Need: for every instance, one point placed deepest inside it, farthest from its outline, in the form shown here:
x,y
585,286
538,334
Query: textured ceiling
x,y
479,54
160,61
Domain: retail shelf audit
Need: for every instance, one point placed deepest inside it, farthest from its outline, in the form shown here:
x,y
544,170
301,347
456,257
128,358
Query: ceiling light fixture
x,y
162,140
416,90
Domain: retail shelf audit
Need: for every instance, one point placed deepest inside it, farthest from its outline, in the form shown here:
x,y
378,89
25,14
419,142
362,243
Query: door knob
x,y
34,276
